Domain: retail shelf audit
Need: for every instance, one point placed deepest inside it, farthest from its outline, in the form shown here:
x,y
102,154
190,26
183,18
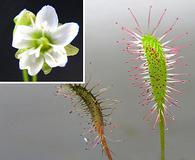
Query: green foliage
x,y
156,66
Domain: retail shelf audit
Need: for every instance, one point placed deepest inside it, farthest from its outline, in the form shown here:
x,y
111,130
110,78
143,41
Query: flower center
x,y
45,44
43,41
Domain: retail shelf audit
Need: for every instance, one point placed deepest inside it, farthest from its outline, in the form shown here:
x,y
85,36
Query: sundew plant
x,y
42,42
87,101
155,76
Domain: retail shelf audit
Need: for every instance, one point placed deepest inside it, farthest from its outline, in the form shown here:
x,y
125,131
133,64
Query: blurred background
x,y
69,11
36,124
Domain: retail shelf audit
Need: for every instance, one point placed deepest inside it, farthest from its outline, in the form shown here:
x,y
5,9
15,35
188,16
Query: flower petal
x,y
56,57
47,18
22,37
31,63
65,33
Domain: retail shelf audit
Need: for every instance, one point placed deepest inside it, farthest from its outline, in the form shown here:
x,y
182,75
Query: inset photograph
x,y
42,41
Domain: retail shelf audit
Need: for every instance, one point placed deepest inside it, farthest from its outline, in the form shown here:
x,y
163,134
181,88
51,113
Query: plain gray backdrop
x,y
35,123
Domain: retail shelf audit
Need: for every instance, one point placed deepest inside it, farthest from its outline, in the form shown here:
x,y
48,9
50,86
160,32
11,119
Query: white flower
x,y
41,40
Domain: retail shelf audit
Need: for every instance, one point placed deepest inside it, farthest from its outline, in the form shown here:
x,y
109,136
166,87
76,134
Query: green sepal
x,y
71,50
46,69
19,52
25,17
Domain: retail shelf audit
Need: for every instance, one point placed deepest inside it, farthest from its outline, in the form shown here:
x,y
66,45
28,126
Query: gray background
x,y
35,124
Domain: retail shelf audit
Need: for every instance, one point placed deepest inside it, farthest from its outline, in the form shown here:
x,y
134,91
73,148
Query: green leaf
x,y
46,69
71,50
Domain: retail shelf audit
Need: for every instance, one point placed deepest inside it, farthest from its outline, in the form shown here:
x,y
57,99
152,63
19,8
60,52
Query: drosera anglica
x,y
91,103
154,76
